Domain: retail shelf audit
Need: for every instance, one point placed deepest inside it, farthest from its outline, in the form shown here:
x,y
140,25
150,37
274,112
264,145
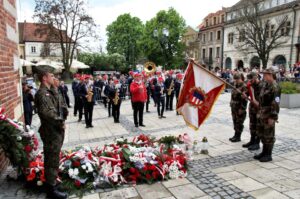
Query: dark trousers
x,y
67,100
76,99
88,112
109,108
148,102
116,111
138,108
28,117
104,101
80,108
161,106
169,102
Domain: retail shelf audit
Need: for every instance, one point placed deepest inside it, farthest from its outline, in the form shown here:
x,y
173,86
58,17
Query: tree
x,y
68,23
165,49
124,35
257,31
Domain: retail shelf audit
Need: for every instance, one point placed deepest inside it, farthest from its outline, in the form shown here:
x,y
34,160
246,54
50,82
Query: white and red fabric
x,y
199,91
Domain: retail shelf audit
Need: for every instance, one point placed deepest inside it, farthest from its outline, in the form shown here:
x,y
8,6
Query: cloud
x,y
105,12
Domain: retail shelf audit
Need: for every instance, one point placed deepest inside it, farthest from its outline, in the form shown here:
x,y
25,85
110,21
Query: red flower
x,y
77,183
148,176
31,176
76,164
155,174
132,170
152,167
90,156
42,176
28,148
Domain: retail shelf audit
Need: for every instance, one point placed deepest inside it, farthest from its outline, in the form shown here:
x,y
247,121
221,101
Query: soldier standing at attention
x,y
238,106
177,87
51,130
254,86
160,95
268,102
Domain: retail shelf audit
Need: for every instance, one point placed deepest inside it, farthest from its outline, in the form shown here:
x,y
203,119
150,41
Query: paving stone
x,y
284,185
176,182
231,175
247,184
267,193
293,194
153,191
121,193
186,191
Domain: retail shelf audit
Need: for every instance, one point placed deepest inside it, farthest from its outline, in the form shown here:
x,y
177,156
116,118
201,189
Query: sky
x,y
105,12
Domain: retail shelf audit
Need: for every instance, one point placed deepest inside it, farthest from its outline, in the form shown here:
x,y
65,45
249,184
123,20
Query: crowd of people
x,y
139,87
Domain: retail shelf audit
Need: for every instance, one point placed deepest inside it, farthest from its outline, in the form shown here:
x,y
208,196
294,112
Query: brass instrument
x,y
116,98
150,67
171,88
90,94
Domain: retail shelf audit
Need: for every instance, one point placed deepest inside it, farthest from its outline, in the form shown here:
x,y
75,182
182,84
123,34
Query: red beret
x,y
137,75
158,73
160,79
179,76
116,81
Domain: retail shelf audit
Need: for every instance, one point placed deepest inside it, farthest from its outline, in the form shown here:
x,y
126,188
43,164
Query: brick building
x,y
10,88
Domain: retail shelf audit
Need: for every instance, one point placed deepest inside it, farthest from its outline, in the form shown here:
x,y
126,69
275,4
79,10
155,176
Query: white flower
x,y
39,183
37,170
76,172
71,173
120,140
90,169
83,167
19,138
31,133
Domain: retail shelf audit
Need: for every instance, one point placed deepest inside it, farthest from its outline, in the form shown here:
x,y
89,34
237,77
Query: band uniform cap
x,y
160,79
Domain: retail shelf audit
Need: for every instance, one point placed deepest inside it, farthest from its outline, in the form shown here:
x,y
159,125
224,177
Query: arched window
x,y
228,63
279,60
240,64
255,62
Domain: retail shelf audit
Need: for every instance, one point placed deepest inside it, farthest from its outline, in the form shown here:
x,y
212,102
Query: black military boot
x,y
236,138
258,156
268,154
249,143
53,192
255,145
232,138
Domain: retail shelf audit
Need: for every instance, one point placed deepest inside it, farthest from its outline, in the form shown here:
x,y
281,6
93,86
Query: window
x,y
206,22
33,49
223,18
288,28
219,35
210,55
211,36
272,30
203,54
230,38
267,31
215,20
218,52
242,36
204,38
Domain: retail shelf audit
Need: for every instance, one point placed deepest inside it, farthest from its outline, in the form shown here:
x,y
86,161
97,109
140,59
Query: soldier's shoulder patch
x,y
277,99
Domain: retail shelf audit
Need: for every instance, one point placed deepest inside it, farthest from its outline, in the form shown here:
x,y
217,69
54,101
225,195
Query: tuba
x,y
150,68
116,98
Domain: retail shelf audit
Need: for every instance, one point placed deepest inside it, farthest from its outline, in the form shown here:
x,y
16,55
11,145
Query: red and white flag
x,y
199,91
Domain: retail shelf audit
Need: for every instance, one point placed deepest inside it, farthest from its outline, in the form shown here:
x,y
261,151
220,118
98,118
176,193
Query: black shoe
x,y
148,111
91,126
79,120
258,156
236,139
142,125
136,125
247,145
163,116
253,147
266,158
53,192
75,115
87,126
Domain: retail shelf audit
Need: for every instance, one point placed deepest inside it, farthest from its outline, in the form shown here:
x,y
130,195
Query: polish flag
x,y
199,91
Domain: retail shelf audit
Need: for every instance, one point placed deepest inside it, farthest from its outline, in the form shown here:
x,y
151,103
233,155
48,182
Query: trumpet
x,y
89,95
171,88
150,67
116,98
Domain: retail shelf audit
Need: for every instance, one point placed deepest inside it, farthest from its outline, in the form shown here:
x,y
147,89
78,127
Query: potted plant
x,y
290,95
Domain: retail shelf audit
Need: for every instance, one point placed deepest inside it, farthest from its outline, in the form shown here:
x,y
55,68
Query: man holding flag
x,y
199,91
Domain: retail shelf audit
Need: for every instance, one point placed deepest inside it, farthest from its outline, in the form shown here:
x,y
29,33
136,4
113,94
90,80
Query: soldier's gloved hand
x,y
271,122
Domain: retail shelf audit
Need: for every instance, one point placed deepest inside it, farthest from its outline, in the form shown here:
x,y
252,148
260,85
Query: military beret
x,y
45,69
252,75
237,76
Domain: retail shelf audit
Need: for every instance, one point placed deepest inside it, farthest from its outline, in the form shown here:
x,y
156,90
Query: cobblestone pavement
x,y
229,171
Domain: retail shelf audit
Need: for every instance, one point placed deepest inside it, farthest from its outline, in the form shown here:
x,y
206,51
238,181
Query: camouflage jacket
x,y
269,100
48,107
62,106
237,101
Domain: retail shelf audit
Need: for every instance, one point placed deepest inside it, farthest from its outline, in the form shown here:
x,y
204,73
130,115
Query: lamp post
x,y
163,42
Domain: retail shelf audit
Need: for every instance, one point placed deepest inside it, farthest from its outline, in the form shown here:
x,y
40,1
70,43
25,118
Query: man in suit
x,y
160,94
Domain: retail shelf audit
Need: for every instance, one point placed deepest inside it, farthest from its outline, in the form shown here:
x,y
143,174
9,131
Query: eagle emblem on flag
x,y
197,97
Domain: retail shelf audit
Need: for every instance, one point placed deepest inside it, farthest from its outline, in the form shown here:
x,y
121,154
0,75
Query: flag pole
x,y
230,85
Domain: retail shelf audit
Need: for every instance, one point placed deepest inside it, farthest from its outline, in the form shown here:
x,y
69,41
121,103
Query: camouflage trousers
x,y
265,131
238,118
253,121
53,139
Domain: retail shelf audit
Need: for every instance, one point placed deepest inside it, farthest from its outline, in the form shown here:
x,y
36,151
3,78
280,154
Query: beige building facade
x,y
190,39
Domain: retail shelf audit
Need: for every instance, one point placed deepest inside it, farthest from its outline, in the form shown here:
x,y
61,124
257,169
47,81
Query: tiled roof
x,y
36,32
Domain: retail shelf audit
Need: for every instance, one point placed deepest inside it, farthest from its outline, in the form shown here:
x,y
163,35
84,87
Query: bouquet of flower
x,y
78,170
35,171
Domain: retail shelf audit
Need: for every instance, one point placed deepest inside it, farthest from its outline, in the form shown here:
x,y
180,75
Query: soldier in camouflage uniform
x,y
268,103
51,130
238,106
254,86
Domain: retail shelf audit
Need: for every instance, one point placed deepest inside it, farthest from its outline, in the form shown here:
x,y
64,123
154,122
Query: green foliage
x,y
166,51
289,88
169,141
13,144
104,62
124,36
